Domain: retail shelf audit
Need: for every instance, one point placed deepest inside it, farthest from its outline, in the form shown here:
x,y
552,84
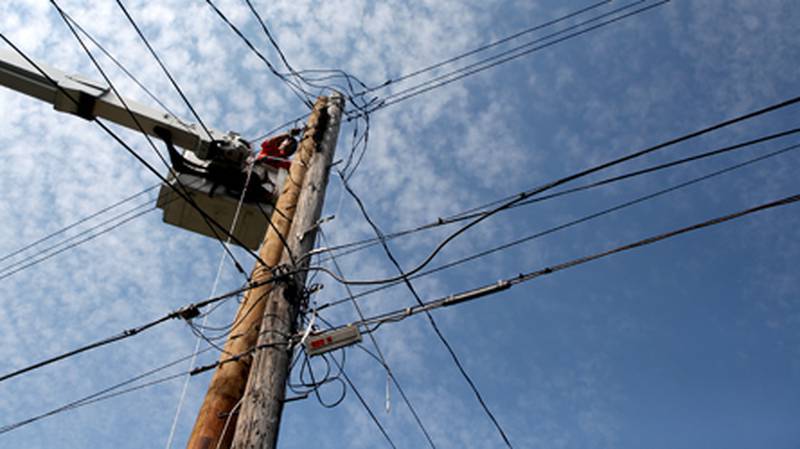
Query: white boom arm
x,y
89,99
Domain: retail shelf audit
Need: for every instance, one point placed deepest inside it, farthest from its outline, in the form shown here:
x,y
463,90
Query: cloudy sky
x,y
692,342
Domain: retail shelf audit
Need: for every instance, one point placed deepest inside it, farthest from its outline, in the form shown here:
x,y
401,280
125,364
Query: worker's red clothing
x,y
280,147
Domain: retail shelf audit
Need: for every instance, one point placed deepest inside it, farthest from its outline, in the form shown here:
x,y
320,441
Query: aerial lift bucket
x,y
220,205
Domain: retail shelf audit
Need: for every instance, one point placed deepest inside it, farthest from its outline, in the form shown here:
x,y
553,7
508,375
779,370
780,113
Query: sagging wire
x,y
477,211
564,180
568,224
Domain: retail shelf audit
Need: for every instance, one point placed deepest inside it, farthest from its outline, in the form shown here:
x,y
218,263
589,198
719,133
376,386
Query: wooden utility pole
x,y
261,408
228,383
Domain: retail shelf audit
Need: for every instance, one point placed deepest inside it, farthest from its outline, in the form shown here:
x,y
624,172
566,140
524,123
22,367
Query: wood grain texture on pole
x,y
261,408
228,382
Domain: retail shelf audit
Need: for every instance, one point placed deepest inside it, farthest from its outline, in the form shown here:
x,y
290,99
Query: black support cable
x,y
431,320
508,56
106,393
164,68
477,211
364,404
566,179
186,313
566,225
380,357
505,284
485,47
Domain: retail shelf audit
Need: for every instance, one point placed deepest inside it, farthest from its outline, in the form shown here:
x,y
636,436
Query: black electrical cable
x,y
188,312
507,56
382,360
77,223
477,211
31,263
393,81
297,90
349,78
566,225
272,40
147,137
317,385
65,245
566,179
431,320
366,407
280,127
106,393
490,289
164,69
119,65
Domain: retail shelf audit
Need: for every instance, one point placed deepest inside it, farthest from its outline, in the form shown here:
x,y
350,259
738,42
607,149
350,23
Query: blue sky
x,y
692,342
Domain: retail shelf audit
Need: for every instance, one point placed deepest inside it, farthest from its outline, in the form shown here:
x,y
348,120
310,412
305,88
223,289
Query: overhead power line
x,y
563,226
485,47
107,393
74,241
512,54
566,179
505,284
302,94
74,224
478,211
431,320
164,68
366,406
124,103
380,357
186,313
120,65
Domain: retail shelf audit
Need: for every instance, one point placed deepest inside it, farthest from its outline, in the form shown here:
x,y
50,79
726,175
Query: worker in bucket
x,y
277,150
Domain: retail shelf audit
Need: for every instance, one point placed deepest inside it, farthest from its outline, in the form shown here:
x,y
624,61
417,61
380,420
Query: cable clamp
x,y
187,312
